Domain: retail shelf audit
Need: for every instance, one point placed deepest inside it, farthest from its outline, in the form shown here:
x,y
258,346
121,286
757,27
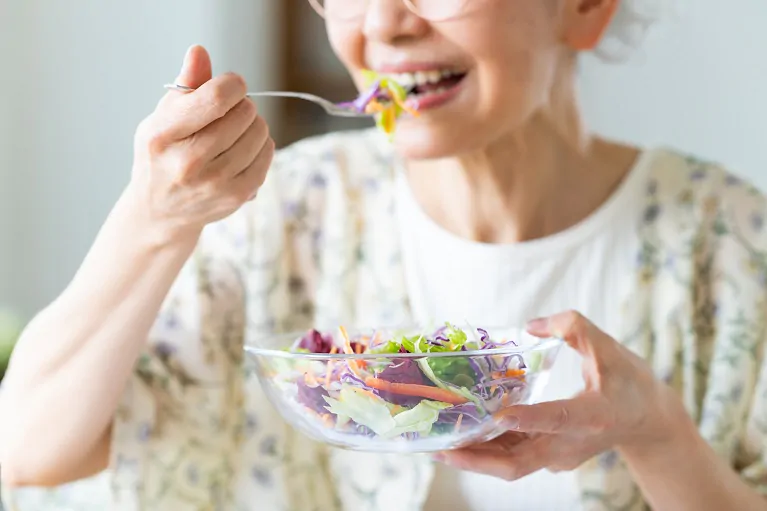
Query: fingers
x,y
522,459
243,153
587,414
222,134
577,331
190,112
246,184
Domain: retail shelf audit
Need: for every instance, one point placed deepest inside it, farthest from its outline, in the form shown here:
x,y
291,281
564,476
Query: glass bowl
x,y
358,391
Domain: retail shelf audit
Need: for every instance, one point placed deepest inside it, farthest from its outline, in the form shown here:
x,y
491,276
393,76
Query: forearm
x,y
74,359
688,475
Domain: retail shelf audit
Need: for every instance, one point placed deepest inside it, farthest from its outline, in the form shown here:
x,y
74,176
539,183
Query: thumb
x,y
196,69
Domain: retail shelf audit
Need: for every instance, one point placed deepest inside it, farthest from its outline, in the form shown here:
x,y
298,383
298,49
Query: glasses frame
x,y
319,9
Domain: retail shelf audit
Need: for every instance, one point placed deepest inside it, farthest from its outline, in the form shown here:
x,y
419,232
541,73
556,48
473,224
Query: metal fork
x,y
329,107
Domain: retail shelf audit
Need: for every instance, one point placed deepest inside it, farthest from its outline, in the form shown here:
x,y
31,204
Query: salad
x,y
379,395
384,97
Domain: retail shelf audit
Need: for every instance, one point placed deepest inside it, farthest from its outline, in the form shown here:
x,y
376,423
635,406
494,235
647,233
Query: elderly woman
x,y
495,206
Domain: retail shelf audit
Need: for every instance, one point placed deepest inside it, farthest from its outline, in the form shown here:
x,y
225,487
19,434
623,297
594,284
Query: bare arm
x,y
199,157
74,359
688,475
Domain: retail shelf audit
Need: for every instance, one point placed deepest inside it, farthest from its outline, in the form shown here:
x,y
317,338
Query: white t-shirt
x,y
586,267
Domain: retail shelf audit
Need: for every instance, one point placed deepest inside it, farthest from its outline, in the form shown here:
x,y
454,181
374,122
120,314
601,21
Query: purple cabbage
x,y
363,99
315,342
484,335
469,411
403,370
312,397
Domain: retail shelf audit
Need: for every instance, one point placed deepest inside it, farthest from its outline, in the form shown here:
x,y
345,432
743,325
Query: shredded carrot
x,y
374,107
358,349
493,388
347,342
515,373
353,365
334,350
327,419
403,105
458,423
408,389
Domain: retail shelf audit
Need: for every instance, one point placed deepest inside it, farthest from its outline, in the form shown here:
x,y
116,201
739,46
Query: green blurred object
x,y
11,326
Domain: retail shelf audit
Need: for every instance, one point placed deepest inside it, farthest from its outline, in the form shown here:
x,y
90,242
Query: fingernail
x,y
510,422
538,325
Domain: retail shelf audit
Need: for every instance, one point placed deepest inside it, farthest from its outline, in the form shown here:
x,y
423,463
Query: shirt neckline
x,y
614,207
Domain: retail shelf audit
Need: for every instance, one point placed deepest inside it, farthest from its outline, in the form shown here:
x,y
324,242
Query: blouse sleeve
x,y
174,437
734,413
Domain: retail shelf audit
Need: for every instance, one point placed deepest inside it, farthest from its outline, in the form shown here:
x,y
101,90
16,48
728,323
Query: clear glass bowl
x,y
346,400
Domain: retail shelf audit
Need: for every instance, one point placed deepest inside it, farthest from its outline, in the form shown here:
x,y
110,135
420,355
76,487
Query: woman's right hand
x,y
200,155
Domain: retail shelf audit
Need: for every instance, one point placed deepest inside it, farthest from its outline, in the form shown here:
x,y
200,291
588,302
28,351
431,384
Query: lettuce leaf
x,y
374,413
362,408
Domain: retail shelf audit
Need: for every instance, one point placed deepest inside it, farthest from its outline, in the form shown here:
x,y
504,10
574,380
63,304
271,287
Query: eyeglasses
x,y
432,10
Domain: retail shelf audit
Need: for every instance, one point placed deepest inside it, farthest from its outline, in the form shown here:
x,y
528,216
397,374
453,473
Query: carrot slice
x,y
353,365
409,389
458,423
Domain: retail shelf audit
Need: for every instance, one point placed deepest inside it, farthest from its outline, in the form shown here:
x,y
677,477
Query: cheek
x,y
348,45
515,65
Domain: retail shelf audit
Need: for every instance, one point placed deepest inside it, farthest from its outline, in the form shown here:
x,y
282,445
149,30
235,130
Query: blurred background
x,y
77,77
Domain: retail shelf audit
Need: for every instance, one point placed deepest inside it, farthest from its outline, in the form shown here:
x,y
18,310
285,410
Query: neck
x,y
533,182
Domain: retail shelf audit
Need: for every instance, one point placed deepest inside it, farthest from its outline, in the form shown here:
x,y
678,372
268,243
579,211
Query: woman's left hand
x,y
622,406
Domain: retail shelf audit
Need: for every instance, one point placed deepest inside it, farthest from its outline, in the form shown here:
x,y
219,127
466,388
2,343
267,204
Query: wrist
x,y
674,438
134,216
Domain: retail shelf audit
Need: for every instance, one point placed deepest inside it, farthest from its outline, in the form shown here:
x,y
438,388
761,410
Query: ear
x,y
586,21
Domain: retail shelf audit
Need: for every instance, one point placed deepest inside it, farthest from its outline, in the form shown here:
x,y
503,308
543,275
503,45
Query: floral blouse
x,y
319,247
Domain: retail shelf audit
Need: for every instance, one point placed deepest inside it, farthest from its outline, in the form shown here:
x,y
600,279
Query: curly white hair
x,y
629,27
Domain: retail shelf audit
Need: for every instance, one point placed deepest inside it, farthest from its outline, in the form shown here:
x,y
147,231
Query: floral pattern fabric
x,y
319,247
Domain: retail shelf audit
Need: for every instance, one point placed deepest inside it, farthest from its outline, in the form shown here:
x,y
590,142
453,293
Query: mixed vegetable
x,y
384,97
408,397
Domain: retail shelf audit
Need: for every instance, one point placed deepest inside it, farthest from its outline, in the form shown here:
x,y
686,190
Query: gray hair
x,y
629,28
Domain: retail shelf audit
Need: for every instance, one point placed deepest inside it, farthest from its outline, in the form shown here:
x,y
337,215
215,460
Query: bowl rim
x,y
542,344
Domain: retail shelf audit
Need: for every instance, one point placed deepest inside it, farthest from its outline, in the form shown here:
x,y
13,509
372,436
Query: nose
x,y
390,21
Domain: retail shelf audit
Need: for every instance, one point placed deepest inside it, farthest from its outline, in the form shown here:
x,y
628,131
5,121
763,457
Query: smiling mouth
x,y
423,83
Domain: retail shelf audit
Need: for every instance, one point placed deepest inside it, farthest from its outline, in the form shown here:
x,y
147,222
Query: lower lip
x,y
437,99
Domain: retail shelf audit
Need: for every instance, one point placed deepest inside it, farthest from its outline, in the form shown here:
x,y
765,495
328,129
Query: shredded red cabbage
x,y
469,411
315,342
312,397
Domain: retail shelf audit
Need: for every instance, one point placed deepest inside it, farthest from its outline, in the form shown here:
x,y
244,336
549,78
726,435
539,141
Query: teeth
x,y
433,76
404,79
408,80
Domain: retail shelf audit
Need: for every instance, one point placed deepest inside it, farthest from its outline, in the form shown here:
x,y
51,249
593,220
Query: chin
x,y
415,140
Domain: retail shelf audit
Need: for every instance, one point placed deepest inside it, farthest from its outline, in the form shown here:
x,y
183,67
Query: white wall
x,y
699,84
78,80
